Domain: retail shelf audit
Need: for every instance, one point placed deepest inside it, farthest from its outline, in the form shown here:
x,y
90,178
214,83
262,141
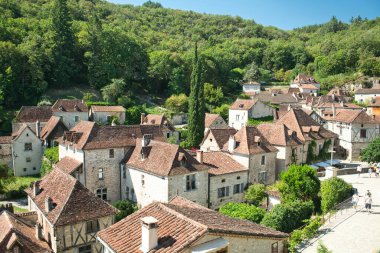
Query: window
x,y
341,130
210,139
84,249
102,193
238,177
101,174
142,180
0,146
28,146
363,133
238,188
28,159
24,169
92,226
190,182
237,117
76,118
320,147
262,176
124,172
34,168
109,118
223,192
275,247
167,135
127,192
263,160
112,153
223,180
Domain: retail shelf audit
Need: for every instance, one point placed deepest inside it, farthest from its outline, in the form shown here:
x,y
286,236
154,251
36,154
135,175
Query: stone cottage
x,y
70,110
105,114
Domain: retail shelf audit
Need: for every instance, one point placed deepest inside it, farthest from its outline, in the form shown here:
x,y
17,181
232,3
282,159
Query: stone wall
x,y
68,118
255,167
6,154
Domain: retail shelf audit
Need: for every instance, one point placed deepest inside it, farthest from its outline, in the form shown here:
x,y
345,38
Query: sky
x,y
284,14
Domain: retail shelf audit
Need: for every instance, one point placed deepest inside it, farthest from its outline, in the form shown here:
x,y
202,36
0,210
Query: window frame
x,y
363,133
92,226
111,153
263,162
76,118
28,146
223,192
101,174
101,193
191,184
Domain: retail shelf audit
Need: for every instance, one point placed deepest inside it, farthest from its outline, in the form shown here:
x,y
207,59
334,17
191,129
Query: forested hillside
x,y
47,44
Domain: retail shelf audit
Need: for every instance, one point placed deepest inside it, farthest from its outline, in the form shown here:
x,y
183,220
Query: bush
x,y
334,191
133,115
306,233
114,90
222,111
125,208
243,211
52,154
372,152
289,216
255,194
177,103
322,248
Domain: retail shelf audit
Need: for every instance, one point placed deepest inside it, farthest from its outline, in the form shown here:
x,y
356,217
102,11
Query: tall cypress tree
x,y
63,44
196,124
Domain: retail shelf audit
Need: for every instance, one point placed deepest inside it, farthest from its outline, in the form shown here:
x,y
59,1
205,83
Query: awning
x,y
212,246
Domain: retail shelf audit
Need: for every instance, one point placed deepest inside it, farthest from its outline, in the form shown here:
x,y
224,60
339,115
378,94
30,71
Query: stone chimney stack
x,y
142,118
145,141
333,110
149,233
38,129
231,143
200,156
36,188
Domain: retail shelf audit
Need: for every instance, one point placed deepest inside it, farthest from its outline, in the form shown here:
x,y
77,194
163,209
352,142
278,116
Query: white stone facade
x,y
70,119
103,118
239,118
6,154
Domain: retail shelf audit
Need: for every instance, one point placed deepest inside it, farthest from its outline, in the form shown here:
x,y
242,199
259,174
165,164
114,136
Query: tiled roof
x,y
13,229
108,108
278,134
50,126
352,116
251,83
249,140
308,86
79,134
163,159
69,105
210,118
180,224
302,79
368,91
222,163
5,139
305,126
221,135
337,92
243,104
374,102
280,98
157,119
68,165
337,105
72,201
34,113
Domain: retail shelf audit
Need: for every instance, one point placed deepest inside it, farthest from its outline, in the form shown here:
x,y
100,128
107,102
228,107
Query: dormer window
x,y
61,108
241,105
76,107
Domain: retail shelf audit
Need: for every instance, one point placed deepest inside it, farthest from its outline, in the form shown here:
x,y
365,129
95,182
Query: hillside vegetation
x,y
59,44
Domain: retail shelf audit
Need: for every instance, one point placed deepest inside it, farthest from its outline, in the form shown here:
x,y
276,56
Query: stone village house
x,y
184,226
214,121
72,111
6,150
104,115
160,121
68,214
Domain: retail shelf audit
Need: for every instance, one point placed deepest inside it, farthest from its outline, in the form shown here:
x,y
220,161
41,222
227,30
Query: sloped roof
x,y
68,165
374,102
249,140
368,91
5,139
73,202
276,98
352,116
180,224
13,229
69,105
222,163
33,114
243,104
108,108
157,119
50,126
221,135
210,118
304,79
163,159
308,86
278,134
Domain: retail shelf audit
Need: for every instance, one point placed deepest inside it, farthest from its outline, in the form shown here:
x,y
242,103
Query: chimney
x,y
200,156
142,118
48,204
38,232
231,143
36,188
145,141
38,129
149,235
333,110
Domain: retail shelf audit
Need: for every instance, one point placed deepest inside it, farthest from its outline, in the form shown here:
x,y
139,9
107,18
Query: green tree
x,y
334,191
252,74
196,123
51,157
300,182
289,216
372,152
133,115
222,111
243,211
6,177
114,90
213,95
63,49
125,208
255,194
177,103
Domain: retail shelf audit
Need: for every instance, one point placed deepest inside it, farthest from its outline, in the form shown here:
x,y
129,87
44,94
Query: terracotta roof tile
x,y
180,224
69,105
243,104
159,120
303,79
68,165
210,118
222,163
352,116
278,134
73,202
13,228
5,139
220,135
34,113
163,159
52,125
308,86
368,91
101,108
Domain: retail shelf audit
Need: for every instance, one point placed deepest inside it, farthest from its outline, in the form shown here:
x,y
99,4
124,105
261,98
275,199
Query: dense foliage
x,y
243,211
255,194
372,152
289,216
334,191
6,176
51,156
125,208
306,233
49,44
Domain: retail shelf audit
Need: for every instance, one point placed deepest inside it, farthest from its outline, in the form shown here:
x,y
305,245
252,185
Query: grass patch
x,y
15,189
17,209
255,122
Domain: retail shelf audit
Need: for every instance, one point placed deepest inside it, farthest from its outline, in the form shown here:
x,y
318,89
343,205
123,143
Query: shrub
x,y
125,208
255,194
334,191
322,248
177,103
222,111
306,233
243,211
289,216
372,152
133,115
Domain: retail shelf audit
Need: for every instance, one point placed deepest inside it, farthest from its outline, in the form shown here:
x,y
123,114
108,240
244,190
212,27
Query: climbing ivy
x,y
310,157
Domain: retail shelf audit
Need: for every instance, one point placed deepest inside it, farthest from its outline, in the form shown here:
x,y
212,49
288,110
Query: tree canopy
x,y
372,152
